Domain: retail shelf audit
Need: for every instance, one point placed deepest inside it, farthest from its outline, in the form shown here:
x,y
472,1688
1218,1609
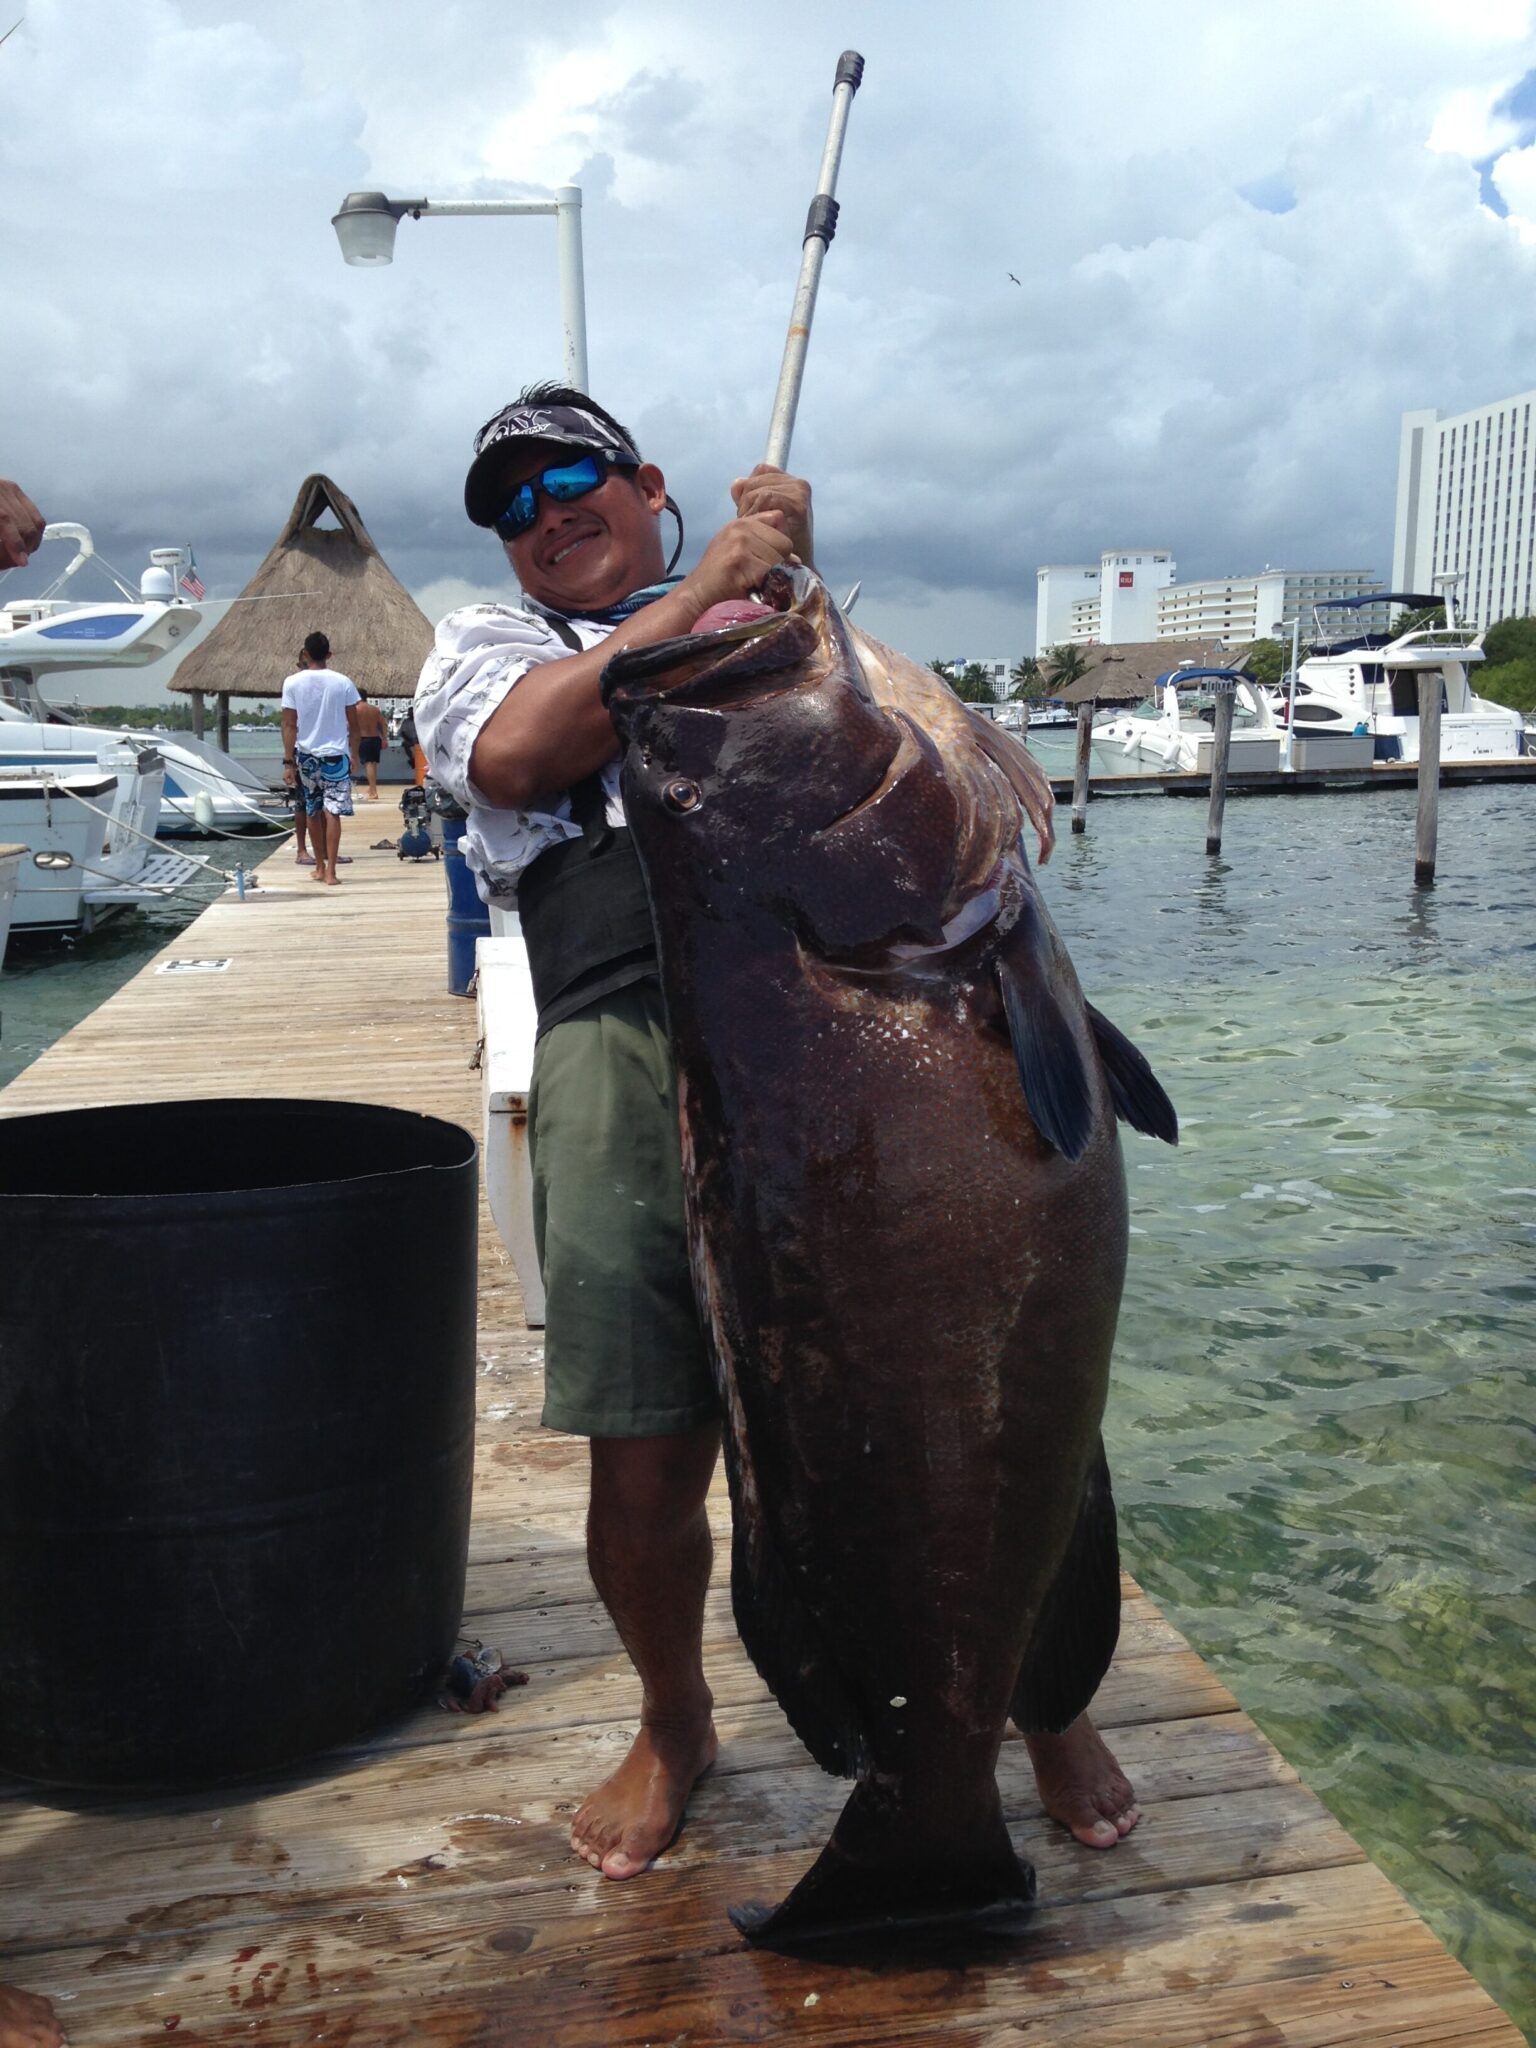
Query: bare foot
x,y
319,875
27,2021
334,881
634,1815
1082,1786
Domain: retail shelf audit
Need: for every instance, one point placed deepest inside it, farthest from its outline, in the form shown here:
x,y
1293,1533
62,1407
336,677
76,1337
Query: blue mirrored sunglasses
x,y
562,481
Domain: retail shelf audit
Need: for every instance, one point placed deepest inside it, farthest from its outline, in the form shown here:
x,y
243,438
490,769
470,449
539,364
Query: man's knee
x,y
660,1481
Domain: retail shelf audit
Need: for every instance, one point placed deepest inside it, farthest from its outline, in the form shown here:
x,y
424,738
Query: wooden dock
x,y
418,1888
1303,782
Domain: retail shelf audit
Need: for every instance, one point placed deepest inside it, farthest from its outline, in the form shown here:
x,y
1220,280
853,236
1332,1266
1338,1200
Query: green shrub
x,y
1511,640
1509,682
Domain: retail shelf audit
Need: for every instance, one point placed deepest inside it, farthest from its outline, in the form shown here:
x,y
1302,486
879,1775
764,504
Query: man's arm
x,y
21,526
290,723
353,735
551,728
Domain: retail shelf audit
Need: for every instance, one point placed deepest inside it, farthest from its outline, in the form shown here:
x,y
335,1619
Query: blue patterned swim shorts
x,y
326,781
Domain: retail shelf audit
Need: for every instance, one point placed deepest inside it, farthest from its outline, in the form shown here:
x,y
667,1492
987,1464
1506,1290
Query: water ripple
x,y
1323,1424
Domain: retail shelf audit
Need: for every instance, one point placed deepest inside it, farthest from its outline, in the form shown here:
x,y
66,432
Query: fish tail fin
x,y
1051,1065
1139,1097
884,1871
1079,1622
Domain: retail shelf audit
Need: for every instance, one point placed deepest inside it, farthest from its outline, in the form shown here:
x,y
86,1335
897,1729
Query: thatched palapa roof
x,y
1124,674
331,579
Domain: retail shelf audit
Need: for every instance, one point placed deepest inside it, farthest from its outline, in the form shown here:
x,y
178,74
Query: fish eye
x,y
681,796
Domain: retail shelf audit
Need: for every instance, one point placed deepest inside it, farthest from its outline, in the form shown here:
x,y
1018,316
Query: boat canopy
x,y
1415,599
1192,675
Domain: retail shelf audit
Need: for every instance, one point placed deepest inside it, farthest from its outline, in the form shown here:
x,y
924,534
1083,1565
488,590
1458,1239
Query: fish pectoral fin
x,y
1140,1099
1057,1086
1079,1621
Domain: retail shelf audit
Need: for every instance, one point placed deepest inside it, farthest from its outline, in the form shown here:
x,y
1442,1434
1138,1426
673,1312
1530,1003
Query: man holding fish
x,y
511,714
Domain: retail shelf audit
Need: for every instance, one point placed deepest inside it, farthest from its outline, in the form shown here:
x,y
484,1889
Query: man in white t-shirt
x,y
320,735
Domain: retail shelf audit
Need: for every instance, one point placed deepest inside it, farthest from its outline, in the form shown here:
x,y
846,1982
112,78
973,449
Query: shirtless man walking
x,y
372,733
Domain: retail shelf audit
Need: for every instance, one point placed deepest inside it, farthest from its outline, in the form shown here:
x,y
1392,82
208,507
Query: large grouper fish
x,y
907,1223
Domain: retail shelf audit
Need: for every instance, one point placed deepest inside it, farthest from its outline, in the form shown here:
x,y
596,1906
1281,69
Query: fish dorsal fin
x,y
1031,785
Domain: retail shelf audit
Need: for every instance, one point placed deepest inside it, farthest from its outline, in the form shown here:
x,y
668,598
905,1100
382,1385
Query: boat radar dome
x,y
157,583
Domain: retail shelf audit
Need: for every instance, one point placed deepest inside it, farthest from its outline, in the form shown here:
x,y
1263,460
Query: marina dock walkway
x,y
417,1888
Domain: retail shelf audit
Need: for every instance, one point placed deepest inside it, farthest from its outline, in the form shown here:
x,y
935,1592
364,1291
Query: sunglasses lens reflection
x,y
563,482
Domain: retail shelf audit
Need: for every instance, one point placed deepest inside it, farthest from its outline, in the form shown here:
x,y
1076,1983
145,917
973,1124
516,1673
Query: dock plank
x,y
416,1887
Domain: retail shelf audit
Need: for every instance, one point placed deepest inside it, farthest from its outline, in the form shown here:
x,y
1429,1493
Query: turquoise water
x,y
48,983
1323,1417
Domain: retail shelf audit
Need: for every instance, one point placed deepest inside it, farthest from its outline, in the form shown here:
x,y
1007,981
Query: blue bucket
x,y
468,918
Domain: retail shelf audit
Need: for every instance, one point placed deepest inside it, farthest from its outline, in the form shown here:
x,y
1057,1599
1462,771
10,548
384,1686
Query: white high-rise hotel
x,y
1466,505
1130,594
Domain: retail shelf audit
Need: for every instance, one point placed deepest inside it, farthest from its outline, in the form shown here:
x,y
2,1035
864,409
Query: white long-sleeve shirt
x,y
479,653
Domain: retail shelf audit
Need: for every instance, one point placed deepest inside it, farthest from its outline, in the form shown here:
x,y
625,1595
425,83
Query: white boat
x,y
49,635
1370,685
1173,731
88,840
1042,718
11,858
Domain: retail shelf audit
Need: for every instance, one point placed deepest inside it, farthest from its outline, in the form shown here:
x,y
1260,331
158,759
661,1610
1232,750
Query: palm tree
x,y
1064,665
1028,681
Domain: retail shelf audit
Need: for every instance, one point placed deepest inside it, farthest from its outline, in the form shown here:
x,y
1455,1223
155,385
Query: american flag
x,y
191,582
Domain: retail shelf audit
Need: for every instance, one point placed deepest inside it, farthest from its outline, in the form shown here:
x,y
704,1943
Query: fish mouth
x,y
717,671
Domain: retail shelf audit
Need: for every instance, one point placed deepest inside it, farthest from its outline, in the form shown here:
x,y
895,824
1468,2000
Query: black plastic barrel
x,y
237,1367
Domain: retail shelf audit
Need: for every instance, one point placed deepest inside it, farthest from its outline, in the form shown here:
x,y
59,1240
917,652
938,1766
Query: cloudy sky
x,y
1247,237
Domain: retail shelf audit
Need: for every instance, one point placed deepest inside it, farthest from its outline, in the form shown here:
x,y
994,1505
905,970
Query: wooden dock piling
x,y
1080,792
415,1889
1427,820
1221,753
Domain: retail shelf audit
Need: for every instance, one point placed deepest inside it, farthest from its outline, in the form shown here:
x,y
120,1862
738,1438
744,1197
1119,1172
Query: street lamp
x,y
366,224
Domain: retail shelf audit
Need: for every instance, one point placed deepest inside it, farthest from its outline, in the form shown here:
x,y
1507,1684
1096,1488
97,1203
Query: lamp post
x,y
366,224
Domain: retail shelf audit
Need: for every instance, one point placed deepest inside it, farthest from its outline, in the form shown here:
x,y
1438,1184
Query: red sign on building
x,y
1127,578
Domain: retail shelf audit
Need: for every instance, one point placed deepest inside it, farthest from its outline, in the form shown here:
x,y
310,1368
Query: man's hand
x,y
21,526
736,561
774,494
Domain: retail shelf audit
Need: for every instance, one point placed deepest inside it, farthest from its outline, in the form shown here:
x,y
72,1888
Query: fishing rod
x,y
820,227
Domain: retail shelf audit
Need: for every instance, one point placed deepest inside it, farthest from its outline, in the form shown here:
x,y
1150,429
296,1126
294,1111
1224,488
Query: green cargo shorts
x,y
623,1351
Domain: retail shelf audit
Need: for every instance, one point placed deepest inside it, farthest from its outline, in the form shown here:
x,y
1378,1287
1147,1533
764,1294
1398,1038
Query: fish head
x,y
745,749
769,718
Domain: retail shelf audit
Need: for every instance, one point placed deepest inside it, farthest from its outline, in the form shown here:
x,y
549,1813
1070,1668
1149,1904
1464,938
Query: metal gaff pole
x,y
820,226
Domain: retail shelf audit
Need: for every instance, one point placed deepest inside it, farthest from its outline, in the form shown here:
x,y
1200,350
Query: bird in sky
x,y
1014,280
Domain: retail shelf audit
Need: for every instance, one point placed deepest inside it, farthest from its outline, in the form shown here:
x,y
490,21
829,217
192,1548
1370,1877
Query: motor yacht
x,y
1369,684
203,788
1042,718
88,843
1173,731
11,858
